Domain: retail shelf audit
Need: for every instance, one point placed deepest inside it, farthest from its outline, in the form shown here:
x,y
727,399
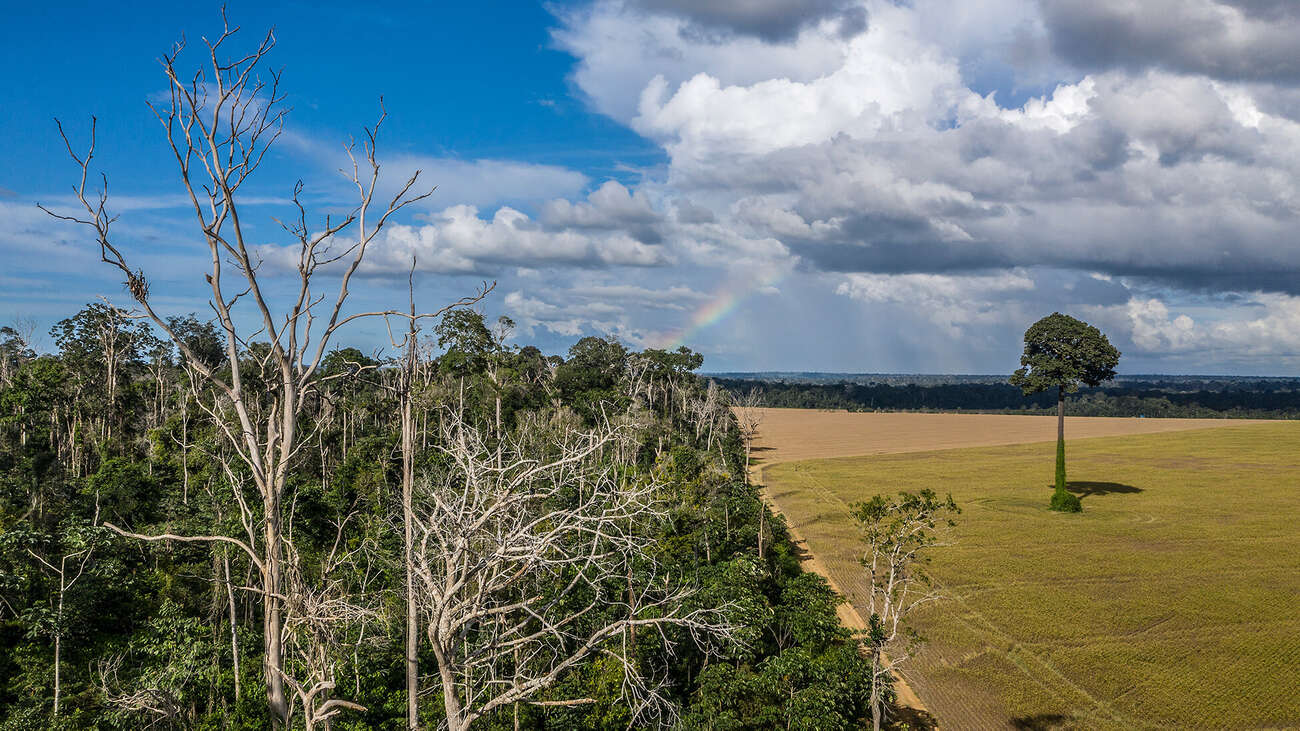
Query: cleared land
x,y
787,435
1172,601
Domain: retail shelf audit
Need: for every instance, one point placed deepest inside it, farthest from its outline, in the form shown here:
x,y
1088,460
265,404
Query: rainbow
x,y
717,307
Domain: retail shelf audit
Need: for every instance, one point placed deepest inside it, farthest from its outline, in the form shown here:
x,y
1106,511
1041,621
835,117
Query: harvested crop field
x,y
787,435
1168,603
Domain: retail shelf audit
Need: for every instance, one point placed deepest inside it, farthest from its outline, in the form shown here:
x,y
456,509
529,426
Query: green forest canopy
x,y
107,430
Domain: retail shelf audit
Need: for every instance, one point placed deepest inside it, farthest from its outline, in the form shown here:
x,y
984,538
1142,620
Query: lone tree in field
x,y
1062,352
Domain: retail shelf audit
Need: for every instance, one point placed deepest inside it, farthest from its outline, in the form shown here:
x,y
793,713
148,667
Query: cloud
x,y
1270,329
771,20
616,310
458,241
1101,152
1237,40
611,207
904,169
619,49
951,302
573,319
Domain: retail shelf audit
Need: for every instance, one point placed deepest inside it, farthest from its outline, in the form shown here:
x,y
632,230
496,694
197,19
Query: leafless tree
x,y
898,533
749,417
321,610
406,387
521,549
220,122
748,409
158,704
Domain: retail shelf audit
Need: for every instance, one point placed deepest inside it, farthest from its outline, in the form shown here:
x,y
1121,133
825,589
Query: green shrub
x,y
1065,502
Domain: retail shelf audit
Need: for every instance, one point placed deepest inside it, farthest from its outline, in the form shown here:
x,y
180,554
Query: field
x,y
1171,601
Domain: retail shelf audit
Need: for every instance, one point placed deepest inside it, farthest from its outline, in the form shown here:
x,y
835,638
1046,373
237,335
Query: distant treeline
x,y
1222,398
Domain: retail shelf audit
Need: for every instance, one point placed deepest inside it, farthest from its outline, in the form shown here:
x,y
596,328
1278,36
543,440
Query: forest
x,y
583,549
1153,397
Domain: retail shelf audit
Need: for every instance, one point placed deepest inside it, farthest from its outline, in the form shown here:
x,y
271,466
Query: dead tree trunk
x,y
220,123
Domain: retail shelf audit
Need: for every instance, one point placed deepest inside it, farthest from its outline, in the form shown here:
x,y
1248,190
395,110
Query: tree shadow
x,y
1084,488
801,552
901,717
1039,722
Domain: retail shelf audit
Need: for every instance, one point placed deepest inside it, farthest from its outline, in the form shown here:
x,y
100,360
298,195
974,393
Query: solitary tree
x,y
1062,352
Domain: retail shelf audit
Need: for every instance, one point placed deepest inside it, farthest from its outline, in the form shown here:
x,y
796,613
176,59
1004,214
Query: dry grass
x,y
1169,602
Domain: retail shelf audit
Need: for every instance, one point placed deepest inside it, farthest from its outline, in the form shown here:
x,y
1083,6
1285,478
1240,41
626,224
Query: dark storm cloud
x,y
772,20
1240,40
1162,247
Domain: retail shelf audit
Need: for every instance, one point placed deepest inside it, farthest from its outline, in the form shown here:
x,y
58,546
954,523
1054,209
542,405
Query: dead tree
x,y
898,532
520,563
220,122
405,388
321,611
749,417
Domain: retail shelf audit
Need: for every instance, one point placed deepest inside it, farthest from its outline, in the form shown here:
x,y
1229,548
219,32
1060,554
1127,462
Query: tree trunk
x,y
1060,438
273,660
412,639
234,628
877,697
455,715
407,392
57,688
185,453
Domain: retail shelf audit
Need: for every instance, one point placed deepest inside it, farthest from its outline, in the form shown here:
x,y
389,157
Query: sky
x,y
811,185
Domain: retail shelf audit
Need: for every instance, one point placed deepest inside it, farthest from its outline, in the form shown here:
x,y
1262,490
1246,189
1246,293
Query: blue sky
x,y
846,185
460,80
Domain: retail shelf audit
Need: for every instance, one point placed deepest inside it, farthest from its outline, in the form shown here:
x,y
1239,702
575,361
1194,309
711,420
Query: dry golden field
x,y
788,435
1172,601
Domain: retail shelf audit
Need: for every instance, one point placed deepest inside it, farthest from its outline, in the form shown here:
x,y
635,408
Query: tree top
x,y
1061,351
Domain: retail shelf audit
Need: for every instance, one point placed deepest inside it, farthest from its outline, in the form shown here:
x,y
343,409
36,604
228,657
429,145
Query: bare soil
x,y
790,435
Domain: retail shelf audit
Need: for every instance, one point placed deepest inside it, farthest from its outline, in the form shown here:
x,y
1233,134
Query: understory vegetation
x,y
621,569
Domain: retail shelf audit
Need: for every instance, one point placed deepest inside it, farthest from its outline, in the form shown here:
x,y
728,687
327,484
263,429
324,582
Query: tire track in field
x,y
1000,637
802,435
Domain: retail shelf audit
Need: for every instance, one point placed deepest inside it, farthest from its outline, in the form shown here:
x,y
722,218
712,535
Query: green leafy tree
x,y
1062,352
203,339
467,340
15,349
